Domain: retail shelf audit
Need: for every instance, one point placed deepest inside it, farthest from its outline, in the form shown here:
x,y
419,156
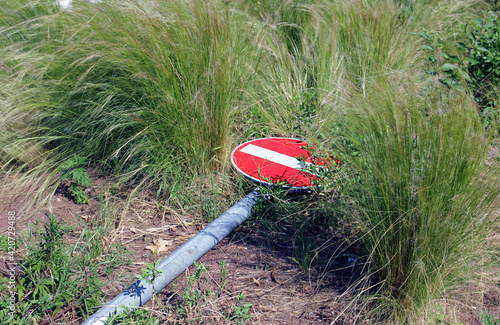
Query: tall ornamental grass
x,y
148,90
22,24
423,203
23,21
150,86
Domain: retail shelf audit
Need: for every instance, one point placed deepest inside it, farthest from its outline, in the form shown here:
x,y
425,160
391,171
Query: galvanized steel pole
x,y
141,291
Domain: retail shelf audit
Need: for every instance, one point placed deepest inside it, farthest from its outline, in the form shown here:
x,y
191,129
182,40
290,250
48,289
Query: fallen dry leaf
x,y
159,245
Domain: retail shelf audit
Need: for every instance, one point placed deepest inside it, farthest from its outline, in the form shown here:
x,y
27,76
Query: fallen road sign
x,y
275,161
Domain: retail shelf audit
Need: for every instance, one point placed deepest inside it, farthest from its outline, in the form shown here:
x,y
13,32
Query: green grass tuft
x,y
423,201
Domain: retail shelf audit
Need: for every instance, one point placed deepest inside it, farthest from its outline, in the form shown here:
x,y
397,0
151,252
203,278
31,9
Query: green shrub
x,y
474,66
483,55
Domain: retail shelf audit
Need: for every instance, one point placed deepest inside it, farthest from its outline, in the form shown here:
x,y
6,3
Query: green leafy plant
x,y
78,177
475,66
449,69
323,169
150,273
483,55
240,312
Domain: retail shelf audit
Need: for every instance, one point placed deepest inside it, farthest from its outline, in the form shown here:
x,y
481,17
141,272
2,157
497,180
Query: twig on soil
x,y
273,276
178,216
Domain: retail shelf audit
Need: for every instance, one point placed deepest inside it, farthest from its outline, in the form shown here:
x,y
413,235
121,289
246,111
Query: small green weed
x,y
77,175
240,311
439,317
137,316
223,274
117,256
489,320
193,292
304,253
5,243
149,274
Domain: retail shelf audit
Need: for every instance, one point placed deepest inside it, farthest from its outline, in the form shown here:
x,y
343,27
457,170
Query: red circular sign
x,y
274,161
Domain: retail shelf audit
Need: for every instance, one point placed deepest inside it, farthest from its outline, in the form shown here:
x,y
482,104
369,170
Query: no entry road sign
x,y
274,161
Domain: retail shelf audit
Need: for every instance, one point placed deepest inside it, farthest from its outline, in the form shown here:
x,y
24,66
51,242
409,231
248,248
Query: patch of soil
x,y
279,291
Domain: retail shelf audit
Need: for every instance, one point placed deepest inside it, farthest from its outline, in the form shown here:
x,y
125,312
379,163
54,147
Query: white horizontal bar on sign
x,y
273,156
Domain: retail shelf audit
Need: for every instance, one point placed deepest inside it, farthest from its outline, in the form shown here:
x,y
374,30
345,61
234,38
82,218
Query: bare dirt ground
x,y
258,265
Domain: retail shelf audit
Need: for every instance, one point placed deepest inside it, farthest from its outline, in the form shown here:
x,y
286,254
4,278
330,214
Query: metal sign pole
x,y
176,263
